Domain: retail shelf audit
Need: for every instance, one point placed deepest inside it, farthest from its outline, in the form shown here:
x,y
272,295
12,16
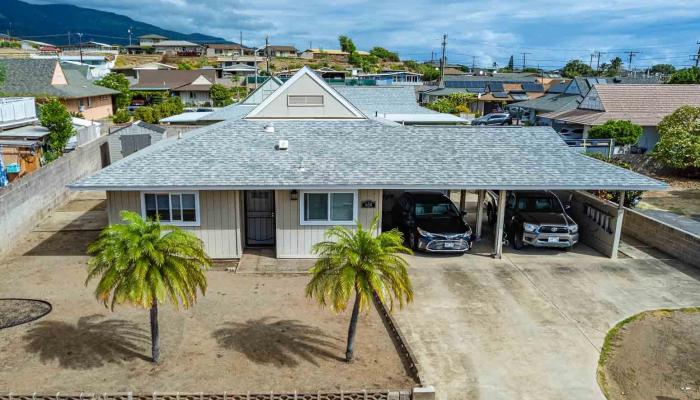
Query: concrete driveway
x,y
529,326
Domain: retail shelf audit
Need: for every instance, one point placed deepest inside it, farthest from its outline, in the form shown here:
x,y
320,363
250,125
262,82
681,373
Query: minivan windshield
x,y
436,210
539,204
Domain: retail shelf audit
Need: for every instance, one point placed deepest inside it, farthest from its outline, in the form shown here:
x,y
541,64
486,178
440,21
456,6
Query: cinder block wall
x,y
680,244
591,232
28,200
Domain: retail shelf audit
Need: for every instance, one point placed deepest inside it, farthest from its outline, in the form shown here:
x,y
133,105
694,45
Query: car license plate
x,y
449,245
553,239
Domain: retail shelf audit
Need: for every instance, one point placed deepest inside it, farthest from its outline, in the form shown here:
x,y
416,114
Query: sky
x,y
483,32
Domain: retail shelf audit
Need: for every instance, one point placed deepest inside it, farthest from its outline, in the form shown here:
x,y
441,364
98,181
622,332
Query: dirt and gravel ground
x,y
251,332
655,356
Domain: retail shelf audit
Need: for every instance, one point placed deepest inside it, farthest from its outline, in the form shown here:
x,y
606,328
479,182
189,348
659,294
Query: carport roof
x,y
239,154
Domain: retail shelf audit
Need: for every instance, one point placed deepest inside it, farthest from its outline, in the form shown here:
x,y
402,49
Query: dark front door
x,y
260,217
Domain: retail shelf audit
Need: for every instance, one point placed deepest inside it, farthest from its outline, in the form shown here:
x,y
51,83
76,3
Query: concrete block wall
x,y
591,232
28,200
680,244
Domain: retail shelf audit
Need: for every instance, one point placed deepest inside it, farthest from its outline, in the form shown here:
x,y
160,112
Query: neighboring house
x,y
327,73
150,40
91,47
335,55
394,78
225,62
178,48
192,86
226,50
133,71
128,139
278,51
306,158
51,78
21,138
644,105
98,65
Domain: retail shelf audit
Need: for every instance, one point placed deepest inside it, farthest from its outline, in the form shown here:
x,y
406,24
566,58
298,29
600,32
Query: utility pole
x,y
69,38
631,54
442,61
267,53
697,56
80,46
590,63
597,64
240,41
524,54
473,64
129,36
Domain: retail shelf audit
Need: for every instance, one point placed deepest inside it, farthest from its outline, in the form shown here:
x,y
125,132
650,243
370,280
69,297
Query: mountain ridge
x,y
48,22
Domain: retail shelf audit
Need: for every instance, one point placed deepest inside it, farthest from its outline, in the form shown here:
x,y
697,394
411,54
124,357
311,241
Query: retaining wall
x,y
675,242
597,222
29,199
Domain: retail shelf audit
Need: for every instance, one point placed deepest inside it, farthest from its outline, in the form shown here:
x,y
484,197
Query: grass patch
x,y
612,338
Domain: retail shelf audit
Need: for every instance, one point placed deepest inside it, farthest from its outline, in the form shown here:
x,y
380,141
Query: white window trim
x,y
355,208
196,222
321,104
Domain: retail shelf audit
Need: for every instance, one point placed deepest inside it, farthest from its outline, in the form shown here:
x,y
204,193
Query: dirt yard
x,y
251,332
683,198
654,356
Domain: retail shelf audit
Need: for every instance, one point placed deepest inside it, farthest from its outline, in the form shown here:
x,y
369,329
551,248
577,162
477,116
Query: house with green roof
x,y
51,78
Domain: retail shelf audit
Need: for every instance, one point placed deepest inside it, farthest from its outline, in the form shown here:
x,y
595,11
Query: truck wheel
x,y
412,241
518,242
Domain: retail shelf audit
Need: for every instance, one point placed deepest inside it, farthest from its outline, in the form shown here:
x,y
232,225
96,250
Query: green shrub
x,y
450,104
54,116
121,117
623,132
118,82
679,139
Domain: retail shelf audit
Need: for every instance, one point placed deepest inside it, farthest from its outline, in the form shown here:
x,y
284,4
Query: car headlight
x,y
424,233
573,228
530,227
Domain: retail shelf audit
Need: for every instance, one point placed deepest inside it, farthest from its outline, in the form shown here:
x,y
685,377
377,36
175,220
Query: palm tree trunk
x,y
352,328
155,346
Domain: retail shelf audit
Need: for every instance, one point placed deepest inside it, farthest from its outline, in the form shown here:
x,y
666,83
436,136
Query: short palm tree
x,y
359,263
145,263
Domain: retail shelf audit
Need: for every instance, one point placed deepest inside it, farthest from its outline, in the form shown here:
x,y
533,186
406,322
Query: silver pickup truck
x,y
534,218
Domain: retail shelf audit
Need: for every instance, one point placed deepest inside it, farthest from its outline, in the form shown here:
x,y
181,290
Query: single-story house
x,y
178,48
306,158
91,46
278,51
127,139
51,78
644,105
394,78
226,49
192,86
150,40
327,73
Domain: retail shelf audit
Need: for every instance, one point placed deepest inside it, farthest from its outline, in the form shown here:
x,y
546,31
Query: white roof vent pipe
x,y
269,128
282,144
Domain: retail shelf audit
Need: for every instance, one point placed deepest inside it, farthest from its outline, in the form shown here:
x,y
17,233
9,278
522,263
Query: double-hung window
x,y
181,208
328,208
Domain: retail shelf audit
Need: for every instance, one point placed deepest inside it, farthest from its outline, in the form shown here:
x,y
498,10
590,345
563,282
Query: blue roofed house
x,y
280,172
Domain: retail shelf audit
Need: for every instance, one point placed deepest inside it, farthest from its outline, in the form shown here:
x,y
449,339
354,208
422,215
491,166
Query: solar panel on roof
x,y
476,90
500,95
533,87
496,87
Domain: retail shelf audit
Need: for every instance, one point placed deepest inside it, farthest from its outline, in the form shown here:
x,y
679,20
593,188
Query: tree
x,y
145,263
220,95
384,54
430,73
54,116
623,132
679,139
614,67
686,76
346,44
453,103
118,82
121,117
511,64
359,263
632,197
664,69
575,68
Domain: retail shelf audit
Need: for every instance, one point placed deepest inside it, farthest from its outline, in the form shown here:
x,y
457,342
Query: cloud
x,y
491,31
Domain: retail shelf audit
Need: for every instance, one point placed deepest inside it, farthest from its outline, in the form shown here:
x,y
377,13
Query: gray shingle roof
x,y
238,154
383,99
551,102
33,77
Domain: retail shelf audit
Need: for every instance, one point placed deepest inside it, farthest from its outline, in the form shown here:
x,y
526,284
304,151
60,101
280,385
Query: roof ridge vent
x,y
269,128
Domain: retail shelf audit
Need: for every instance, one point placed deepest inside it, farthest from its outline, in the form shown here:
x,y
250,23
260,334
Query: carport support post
x,y
462,200
499,224
480,213
618,225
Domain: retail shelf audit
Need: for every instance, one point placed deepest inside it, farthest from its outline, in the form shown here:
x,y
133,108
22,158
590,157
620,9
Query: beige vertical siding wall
x,y
220,214
295,240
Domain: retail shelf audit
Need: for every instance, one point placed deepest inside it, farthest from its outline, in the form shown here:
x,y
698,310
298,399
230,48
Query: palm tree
x,y
360,263
145,263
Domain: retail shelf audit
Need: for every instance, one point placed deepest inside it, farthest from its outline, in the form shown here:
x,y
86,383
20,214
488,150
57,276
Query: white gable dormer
x,y
201,80
305,96
263,91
